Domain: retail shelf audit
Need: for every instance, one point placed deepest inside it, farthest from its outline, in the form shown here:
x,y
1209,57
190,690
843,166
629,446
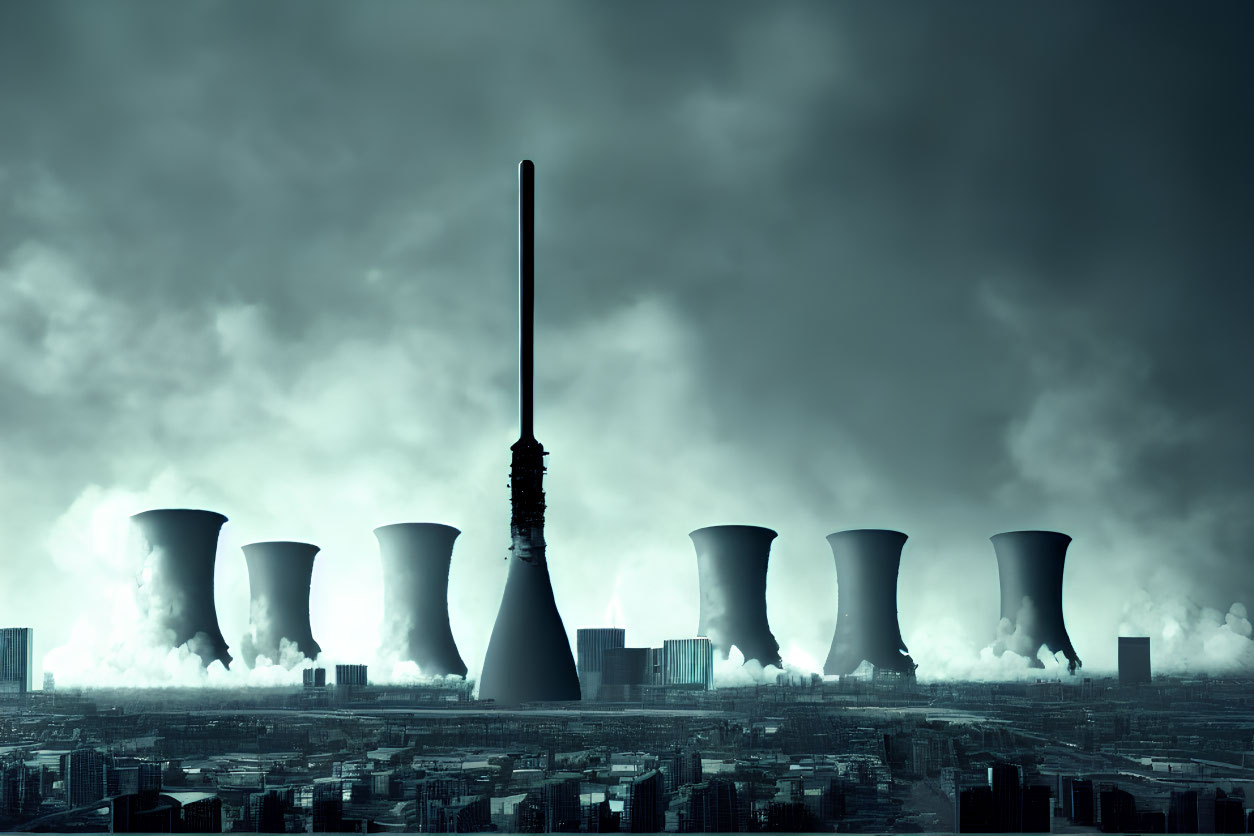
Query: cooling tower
x,y
731,570
1029,564
182,545
867,562
278,580
528,656
416,558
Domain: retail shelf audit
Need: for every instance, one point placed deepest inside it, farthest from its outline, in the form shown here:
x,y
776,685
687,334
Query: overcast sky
x,y
948,269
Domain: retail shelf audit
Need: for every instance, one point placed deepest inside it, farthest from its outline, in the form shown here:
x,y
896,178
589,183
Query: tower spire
x,y
526,295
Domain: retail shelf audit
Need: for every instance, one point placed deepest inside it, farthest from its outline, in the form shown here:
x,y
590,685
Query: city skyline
x,y
822,272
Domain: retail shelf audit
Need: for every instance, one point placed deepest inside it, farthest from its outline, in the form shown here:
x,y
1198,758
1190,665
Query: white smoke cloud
x,y
948,652
1188,638
735,672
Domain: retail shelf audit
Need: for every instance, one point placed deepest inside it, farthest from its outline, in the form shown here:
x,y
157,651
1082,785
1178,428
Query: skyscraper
x,y
590,645
83,772
1134,659
16,659
1007,801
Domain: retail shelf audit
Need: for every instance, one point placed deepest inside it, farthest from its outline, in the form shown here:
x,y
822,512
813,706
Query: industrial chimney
x,y
416,558
731,570
182,545
278,579
528,656
1029,564
867,562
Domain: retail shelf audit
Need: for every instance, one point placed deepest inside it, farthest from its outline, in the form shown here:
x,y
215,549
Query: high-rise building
x,y
715,806
591,644
975,812
1036,809
21,790
83,772
681,767
203,816
16,659
1229,813
1007,801
267,811
689,662
646,805
1182,814
1118,811
328,807
1083,808
1134,659
314,677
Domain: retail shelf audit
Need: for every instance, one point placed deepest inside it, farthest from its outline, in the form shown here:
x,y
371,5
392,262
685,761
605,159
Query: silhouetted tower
x,y
182,546
867,563
731,571
528,656
1134,660
1030,564
416,559
279,573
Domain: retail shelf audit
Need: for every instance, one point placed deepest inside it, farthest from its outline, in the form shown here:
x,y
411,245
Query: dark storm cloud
x,y
952,270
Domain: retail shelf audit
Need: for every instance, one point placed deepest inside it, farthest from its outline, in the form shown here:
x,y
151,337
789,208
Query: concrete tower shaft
x,y
279,574
867,563
1030,566
416,560
177,592
731,570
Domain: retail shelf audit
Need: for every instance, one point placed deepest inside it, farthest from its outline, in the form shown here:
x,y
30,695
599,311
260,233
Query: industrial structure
x,y
731,571
416,560
590,646
351,676
867,563
1029,565
279,574
528,656
178,591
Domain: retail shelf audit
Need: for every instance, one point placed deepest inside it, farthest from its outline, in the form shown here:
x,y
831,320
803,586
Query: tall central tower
x,y
529,658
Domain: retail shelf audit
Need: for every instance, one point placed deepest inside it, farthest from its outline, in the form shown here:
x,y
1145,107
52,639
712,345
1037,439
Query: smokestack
x,y
182,545
528,656
731,569
1029,564
867,562
416,558
278,580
